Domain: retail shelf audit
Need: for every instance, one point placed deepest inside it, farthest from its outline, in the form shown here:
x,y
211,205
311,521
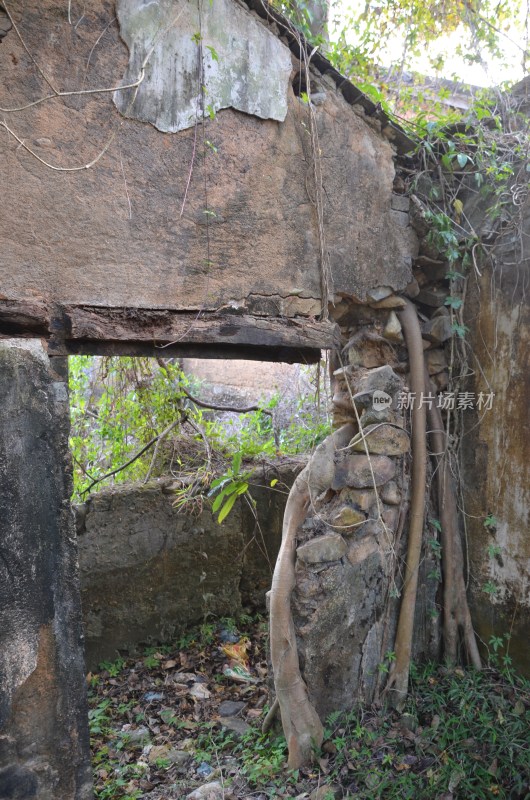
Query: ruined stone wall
x,y
496,443
44,752
351,547
148,570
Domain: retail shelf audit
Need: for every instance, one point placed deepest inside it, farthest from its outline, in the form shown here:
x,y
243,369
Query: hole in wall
x,y
5,24
299,84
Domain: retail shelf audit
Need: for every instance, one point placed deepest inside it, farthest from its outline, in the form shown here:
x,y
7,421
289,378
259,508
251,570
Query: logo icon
x,y
381,400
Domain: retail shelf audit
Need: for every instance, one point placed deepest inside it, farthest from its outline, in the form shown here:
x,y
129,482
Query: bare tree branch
x,y
137,455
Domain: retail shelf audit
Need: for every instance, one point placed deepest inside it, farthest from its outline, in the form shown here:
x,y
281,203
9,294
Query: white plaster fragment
x,y
245,66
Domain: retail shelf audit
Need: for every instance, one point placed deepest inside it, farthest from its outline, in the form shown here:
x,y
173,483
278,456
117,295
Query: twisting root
x,y
399,678
301,724
456,608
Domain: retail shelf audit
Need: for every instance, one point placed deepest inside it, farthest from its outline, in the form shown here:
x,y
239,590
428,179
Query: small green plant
x,y
151,662
113,667
490,523
207,633
384,666
99,718
263,757
436,548
491,588
228,488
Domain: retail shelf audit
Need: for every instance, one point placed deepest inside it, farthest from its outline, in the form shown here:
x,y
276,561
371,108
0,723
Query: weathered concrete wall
x,y
496,444
148,570
43,725
125,233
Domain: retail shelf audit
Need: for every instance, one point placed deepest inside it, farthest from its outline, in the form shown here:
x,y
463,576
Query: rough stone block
x,y
392,330
347,516
432,296
436,361
382,379
148,570
361,498
330,547
390,494
383,440
356,471
400,202
393,301
359,550
438,330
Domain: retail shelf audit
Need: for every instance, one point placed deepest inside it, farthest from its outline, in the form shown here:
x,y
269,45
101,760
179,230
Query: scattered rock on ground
x,y
235,724
165,751
209,791
231,708
139,736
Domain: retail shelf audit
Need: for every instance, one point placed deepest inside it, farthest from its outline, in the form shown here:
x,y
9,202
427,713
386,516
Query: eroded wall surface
x,y
220,215
496,445
44,750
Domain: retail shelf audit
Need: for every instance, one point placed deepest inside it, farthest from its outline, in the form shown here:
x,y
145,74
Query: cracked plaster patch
x,y
245,66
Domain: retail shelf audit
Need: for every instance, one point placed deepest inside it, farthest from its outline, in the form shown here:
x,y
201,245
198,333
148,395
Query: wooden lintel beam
x,y
136,331
160,327
21,318
288,355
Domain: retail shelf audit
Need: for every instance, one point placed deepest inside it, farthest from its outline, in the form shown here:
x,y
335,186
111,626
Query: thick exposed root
x,y
301,724
456,608
399,678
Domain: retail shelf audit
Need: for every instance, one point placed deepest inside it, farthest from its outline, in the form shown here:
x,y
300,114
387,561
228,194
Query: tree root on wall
x,y
456,609
399,677
301,724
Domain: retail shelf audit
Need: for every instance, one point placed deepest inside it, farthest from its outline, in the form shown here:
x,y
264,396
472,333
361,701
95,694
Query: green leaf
x,y
226,509
274,482
236,462
234,487
462,160
213,52
460,330
218,500
454,302
216,483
